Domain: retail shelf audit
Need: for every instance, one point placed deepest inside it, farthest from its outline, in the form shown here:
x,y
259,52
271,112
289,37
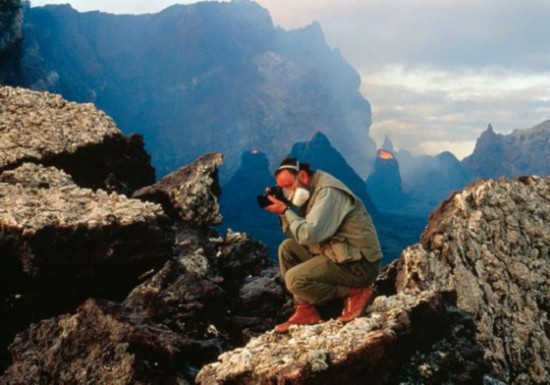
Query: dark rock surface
x,y
102,343
60,243
204,300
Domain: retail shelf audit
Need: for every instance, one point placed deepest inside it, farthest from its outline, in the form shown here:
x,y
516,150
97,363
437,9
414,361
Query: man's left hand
x,y
277,207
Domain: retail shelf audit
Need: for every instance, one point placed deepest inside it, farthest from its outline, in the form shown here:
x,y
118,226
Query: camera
x,y
276,192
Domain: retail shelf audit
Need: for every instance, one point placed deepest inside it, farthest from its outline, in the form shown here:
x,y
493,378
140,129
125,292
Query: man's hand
x,y
277,207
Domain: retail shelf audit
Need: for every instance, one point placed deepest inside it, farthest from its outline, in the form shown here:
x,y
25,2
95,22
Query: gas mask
x,y
299,196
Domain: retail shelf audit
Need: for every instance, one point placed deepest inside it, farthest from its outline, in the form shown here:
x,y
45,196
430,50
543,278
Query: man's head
x,y
295,179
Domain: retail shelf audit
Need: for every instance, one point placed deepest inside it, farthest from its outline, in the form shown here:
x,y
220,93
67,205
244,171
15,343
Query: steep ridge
x,y
210,76
522,152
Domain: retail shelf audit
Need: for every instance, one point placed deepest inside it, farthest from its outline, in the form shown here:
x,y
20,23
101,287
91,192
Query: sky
x,y
436,72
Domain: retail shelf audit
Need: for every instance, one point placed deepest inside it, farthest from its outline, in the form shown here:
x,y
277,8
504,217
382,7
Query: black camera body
x,y
276,192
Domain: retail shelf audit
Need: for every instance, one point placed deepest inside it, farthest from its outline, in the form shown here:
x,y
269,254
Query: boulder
x,y
53,228
191,193
368,350
491,244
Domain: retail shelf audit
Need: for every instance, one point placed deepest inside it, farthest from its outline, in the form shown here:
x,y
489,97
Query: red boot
x,y
356,303
305,314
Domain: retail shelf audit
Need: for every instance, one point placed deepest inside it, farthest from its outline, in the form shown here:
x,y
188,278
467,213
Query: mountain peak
x,y
387,145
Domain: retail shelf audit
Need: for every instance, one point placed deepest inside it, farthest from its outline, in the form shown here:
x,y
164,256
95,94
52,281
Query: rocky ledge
x,y
44,128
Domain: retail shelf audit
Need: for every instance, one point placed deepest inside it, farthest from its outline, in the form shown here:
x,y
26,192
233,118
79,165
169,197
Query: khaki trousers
x,y
317,279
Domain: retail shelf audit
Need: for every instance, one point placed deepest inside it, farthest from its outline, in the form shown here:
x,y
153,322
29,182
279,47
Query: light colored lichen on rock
x,y
311,348
492,245
34,197
37,124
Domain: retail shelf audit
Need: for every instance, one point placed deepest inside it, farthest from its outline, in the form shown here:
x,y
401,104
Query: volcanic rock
x,y
191,193
491,244
52,227
366,350
102,343
77,138
197,303
60,244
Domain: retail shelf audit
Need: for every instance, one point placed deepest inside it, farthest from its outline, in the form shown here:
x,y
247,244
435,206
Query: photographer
x,y
332,250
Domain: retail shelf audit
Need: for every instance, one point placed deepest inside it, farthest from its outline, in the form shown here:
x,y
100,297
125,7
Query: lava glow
x,y
385,154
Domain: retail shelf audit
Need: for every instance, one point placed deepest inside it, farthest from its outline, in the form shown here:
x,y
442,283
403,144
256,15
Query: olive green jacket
x,y
333,222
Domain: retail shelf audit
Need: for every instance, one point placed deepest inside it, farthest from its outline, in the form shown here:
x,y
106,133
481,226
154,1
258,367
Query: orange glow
x,y
255,151
385,154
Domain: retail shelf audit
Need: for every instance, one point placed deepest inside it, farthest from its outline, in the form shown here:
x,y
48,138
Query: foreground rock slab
x,y
491,244
101,344
53,227
44,128
60,244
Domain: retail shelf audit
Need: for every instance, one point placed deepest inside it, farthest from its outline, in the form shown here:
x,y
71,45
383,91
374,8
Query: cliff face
x,y
11,22
523,152
203,77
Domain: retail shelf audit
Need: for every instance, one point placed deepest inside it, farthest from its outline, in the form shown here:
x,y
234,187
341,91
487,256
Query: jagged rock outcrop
x,y
102,343
491,244
47,129
191,193
523,152
52,227
11,35
486,251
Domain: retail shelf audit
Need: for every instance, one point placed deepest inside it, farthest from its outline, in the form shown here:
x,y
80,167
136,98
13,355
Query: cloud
x,y
422,108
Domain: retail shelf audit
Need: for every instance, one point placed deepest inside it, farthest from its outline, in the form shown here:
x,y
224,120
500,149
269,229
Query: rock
x,y
191,193
60,244
44,128
103,343
491,244
54,228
